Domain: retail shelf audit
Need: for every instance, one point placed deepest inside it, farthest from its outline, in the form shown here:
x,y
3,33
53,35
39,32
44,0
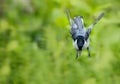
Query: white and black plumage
x,y
79,33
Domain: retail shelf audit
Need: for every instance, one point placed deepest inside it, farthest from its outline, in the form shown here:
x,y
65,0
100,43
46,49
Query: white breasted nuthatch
x,y
79,33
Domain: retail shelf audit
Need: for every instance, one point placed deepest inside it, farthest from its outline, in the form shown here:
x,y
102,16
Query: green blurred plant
x,y
36,47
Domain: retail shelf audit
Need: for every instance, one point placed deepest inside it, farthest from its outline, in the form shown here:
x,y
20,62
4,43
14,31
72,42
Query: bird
x,y
80,35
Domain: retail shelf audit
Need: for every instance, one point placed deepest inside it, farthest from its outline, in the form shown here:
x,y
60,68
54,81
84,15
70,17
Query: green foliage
x,y
36,46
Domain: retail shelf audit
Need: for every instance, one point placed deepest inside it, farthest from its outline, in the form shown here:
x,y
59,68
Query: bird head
x,y
80,42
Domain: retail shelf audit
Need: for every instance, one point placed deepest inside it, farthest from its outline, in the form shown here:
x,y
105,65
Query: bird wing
x,y
88,31
72,23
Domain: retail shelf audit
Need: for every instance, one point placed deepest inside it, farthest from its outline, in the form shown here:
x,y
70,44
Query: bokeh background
x,y
36,45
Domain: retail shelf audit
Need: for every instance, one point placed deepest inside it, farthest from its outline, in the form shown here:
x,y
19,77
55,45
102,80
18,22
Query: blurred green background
x,y
36,46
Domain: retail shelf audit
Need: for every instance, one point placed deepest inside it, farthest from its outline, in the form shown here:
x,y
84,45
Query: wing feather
x,y
88,31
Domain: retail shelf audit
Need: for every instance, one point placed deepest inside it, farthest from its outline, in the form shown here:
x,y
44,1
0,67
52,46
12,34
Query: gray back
x,y
79,29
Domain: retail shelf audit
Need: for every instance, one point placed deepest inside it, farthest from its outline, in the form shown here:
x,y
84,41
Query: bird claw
x,y
78,54
88,52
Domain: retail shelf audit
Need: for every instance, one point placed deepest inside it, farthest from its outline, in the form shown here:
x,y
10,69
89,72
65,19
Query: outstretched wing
x,y
88,31
72,23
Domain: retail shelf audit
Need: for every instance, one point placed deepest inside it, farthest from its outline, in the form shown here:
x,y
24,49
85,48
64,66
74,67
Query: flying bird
x,y
79,33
